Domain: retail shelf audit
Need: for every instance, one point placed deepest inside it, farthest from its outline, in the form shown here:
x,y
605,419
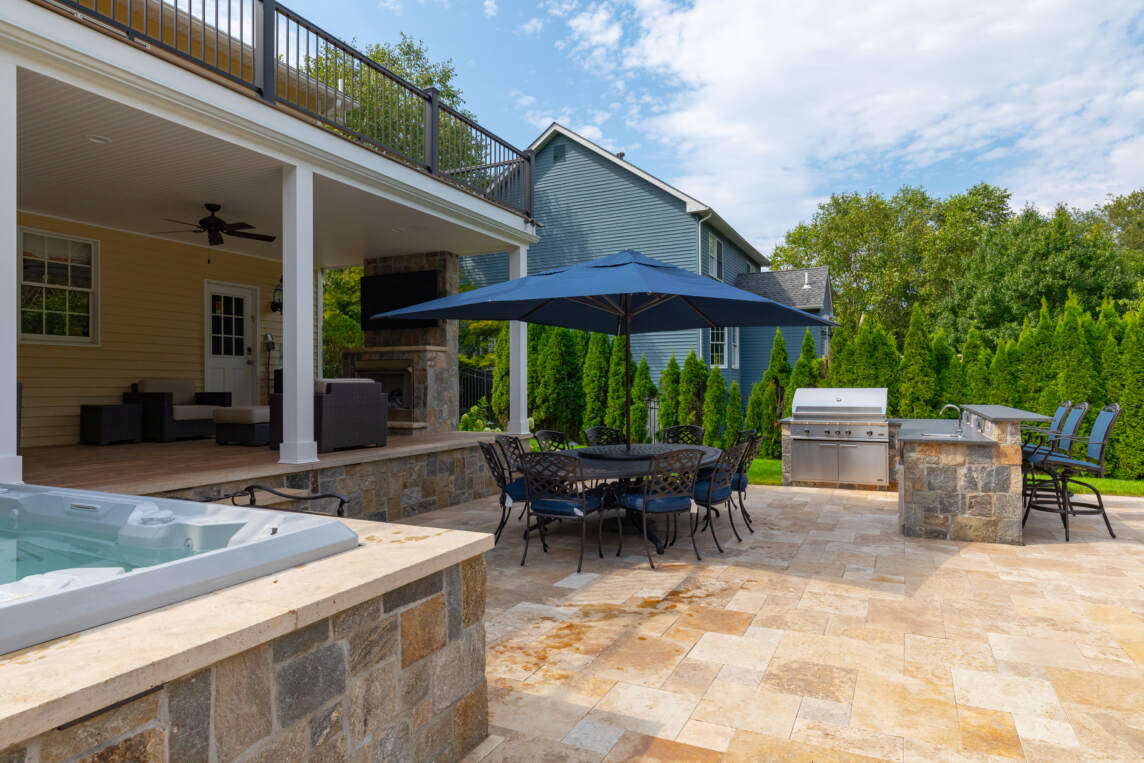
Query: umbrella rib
x,y
699,312
527,315
659,300
592,303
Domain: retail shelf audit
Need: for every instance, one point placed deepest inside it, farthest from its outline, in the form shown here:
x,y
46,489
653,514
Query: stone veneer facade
x,y
964,491
382,490
400,677
431,353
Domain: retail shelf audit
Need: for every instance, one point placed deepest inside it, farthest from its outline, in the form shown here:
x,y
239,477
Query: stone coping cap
x,y
1004,413
59,681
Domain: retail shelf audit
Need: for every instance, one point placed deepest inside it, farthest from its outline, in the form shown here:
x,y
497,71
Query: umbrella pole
x,y
628,365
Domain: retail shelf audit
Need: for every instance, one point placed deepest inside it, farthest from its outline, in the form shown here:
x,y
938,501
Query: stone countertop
x,y
1004,413
921,430
53,683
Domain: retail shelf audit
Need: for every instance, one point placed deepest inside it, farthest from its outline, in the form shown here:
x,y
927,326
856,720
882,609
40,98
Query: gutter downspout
x,y
699,268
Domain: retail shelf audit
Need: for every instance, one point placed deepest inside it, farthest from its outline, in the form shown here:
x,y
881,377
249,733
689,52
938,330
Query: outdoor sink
x,y
950,435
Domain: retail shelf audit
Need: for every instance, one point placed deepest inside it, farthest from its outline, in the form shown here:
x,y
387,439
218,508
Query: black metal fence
x,y
263,46
476,383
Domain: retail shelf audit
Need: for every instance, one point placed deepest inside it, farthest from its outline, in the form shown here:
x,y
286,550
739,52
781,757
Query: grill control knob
x,y
837,432
869,433
847,432
806,431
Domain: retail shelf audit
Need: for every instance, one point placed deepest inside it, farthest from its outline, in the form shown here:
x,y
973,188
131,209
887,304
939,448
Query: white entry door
x,y
231,334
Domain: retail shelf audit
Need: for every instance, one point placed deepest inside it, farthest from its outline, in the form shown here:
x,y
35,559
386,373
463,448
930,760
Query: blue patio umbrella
x,y
626,293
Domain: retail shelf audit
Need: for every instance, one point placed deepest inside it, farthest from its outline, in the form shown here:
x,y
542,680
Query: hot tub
x,y
74,559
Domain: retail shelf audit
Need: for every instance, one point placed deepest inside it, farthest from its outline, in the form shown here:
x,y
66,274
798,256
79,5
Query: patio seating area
x,y
824,635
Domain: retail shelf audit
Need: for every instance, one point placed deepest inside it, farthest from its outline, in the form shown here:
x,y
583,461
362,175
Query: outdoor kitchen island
x,y
962,482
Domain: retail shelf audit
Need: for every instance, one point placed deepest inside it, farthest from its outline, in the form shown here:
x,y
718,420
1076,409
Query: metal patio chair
x,y
717,488
550,440
1032,436
666,490
740,482
1061,469
511,490
683,434
742,436
513,449
556,490
603,436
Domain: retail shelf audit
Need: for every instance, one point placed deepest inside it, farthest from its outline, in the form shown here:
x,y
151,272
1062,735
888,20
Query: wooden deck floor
x,y
156,467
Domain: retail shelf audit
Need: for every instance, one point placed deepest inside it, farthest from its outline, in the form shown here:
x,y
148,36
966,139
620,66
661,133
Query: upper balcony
x,y
266,50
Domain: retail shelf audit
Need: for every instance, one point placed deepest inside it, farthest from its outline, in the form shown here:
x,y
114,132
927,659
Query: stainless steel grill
x,y
840,436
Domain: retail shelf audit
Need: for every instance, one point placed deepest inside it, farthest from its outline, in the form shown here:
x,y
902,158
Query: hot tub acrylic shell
x,y
230,545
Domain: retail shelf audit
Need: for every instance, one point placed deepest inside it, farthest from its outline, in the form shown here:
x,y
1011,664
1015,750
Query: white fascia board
x,y
691,205
80,55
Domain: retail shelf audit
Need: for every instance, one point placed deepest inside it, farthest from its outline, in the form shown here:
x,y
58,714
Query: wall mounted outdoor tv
x,y
389,292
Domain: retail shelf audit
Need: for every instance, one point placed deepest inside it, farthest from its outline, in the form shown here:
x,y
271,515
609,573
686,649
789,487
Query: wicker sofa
x,y
172,410
348,413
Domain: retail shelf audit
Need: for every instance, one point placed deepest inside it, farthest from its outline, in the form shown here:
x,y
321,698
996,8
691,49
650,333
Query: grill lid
x,y
839,403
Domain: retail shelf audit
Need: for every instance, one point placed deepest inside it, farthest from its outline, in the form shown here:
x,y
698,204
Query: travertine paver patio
x,y
825,635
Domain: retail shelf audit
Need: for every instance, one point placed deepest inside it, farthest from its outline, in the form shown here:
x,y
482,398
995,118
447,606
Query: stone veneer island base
x,y
965,488
374,654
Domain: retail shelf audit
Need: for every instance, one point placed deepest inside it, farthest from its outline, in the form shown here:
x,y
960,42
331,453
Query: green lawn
x,y
769,471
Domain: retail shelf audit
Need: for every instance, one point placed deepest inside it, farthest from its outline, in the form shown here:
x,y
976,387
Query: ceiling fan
x,y
215,227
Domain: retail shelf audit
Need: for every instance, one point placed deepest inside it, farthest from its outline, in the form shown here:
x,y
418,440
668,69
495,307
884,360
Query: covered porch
x,y
158,148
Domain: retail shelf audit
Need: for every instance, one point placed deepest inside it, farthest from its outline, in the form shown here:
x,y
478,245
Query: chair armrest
x,y
221,399
150,400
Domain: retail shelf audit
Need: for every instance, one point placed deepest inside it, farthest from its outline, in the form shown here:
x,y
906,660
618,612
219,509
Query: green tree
x,y
339,332
341,317
714,407
1075,377
917,386
1129,440
616,412
733,420
948,372
537,333
778,366
769,428
803,374
1001,376
840,358
596,380
642,391
878,360
556,400
1125,217
500,402
1113,378
669,395
692,384
975,361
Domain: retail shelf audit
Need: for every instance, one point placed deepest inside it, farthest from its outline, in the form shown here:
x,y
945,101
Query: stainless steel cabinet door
x,y
863,463
814,461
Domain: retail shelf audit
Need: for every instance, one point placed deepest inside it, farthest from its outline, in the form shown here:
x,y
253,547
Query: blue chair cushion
x,y
700,492
1066,462
705,473
558,507
739,482
635,502
517,490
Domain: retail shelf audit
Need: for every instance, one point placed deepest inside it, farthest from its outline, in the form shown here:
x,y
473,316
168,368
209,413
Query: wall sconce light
x,y
276,298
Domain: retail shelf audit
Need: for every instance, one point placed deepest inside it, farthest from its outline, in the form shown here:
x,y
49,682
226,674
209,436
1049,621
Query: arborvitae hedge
x,y
500,400
615,414
596,380
669,395
733,420
692,386
803,374
642,391
714,407
917,385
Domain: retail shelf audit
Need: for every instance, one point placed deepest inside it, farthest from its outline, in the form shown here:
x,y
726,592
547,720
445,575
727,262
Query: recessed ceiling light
x,y
99,140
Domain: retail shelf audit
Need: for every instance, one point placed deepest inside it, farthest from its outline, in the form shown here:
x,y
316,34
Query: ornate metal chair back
x,y
723,473
750,453
683,434
551,475
604,436
672,474
743,435
512,449
550,440
496,467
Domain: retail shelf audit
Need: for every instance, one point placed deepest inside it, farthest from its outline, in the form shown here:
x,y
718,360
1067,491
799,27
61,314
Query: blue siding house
x,y
592,203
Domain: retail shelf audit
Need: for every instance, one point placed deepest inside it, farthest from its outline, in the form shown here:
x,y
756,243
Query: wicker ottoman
x,y
105,424
242,425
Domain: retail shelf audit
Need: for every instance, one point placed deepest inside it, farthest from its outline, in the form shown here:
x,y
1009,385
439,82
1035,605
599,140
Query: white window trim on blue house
x,y
723,347
714,256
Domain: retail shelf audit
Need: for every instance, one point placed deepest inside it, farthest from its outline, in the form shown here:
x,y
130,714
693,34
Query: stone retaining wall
x,y
399,677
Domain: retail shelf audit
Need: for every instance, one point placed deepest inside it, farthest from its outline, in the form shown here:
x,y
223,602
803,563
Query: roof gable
x,y
804,288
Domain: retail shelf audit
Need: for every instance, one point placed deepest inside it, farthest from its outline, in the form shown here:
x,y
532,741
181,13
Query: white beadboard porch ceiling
x,y
154,168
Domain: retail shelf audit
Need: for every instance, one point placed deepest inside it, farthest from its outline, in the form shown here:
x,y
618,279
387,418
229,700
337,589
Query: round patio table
x,y
615,462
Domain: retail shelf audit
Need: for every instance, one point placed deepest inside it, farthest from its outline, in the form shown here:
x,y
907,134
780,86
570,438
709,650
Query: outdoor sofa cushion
x,y
243,414
635,502
182,390
560,507
192,412
320,384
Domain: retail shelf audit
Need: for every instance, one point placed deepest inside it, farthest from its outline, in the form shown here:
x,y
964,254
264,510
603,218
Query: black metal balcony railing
x,y
261,46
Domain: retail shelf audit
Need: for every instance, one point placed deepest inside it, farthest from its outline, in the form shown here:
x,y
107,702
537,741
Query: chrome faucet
x,y
946,407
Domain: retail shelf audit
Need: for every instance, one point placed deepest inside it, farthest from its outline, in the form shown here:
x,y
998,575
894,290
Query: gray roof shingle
x,y
804,288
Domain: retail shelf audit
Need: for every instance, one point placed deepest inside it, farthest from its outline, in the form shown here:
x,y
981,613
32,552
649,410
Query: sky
x,y
763,109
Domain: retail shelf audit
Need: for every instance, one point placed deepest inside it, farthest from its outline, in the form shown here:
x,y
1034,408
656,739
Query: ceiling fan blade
x,y
231,227
180,222
181,230
252,236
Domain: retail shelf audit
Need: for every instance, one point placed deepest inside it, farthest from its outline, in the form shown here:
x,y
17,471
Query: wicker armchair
x,y
348,413
683,434
172,410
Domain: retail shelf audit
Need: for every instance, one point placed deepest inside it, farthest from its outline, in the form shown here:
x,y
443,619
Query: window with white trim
x,y
723,347
59,288
714,257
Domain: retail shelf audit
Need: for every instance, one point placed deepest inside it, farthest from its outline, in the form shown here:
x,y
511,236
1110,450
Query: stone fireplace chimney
x,y
417,366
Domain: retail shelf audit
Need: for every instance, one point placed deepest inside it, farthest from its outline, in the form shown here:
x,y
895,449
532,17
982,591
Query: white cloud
x,y
770,105
560,8
532,26
522,99
390,5
490,8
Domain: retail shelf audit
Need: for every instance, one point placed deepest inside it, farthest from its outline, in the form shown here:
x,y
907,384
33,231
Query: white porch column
x,y
518,353
298,446
10,469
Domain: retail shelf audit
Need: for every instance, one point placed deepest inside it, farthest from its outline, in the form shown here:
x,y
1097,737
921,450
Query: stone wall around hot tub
x,y
398,677
892,468
964,492
383,490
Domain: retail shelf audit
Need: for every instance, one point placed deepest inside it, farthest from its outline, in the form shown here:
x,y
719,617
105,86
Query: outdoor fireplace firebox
x,y
397,382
